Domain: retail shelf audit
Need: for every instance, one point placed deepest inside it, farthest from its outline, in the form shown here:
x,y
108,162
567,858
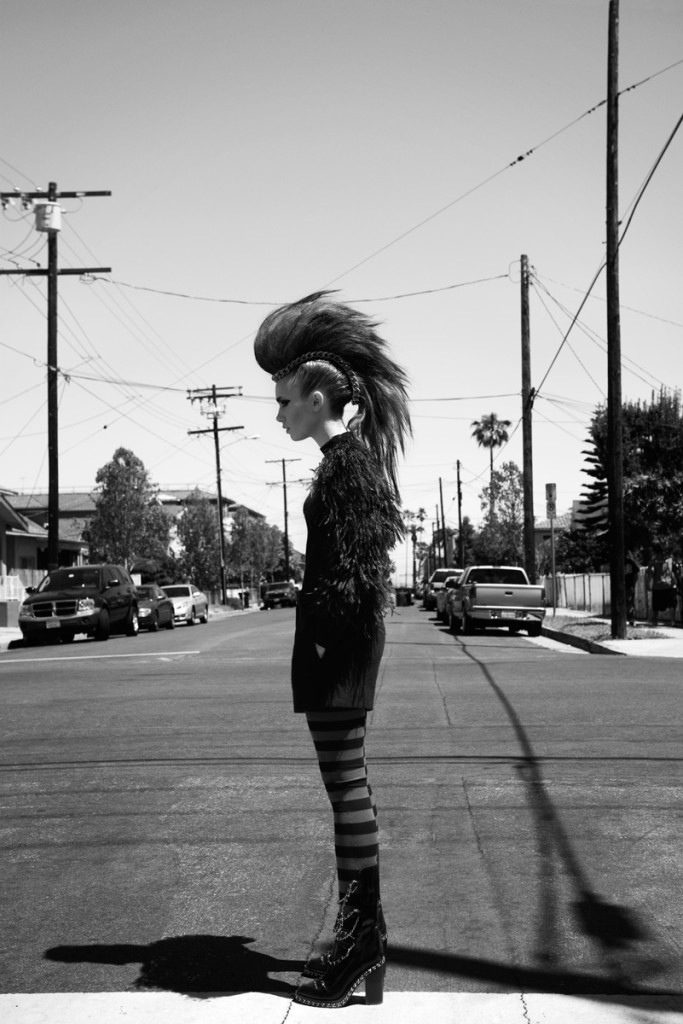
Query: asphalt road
x,y
163,824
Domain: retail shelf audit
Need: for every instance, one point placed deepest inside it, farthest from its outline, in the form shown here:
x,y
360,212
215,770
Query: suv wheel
x,y
102,628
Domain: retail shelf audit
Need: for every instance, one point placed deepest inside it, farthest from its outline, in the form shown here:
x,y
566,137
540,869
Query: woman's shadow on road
x,y
199,965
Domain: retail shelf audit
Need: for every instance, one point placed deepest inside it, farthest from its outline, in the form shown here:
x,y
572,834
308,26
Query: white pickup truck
x,y
495,595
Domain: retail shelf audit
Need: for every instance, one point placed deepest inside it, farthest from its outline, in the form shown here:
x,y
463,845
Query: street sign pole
x,y
551,512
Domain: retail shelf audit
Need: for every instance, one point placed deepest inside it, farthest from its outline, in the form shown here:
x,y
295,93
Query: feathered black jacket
x,y
353,523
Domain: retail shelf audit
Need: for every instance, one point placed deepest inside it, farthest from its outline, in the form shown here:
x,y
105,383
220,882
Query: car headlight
x,y
27,611
142,612
85,606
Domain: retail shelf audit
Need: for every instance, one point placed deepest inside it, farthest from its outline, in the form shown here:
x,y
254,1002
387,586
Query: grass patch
x,y
597,629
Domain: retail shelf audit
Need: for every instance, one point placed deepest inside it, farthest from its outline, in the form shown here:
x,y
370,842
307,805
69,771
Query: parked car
x,y
434,584
278,595
155,609
496,595
442,595
188,603
93,599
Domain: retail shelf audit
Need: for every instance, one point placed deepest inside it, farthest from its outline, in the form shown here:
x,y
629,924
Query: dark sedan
x,y
155,609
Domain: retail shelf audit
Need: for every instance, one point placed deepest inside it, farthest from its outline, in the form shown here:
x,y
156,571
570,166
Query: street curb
x,y
215,612
591,646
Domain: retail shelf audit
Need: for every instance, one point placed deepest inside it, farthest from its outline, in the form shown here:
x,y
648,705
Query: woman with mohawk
x,y
323,356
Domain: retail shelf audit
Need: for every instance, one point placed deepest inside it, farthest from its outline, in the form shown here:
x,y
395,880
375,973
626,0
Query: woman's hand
x,y
320,651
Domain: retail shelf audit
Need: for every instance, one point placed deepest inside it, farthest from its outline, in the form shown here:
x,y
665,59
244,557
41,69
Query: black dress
x,y
353,522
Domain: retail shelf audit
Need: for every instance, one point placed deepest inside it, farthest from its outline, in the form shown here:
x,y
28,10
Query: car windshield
x,y
441,575
63,578
146,591
177,591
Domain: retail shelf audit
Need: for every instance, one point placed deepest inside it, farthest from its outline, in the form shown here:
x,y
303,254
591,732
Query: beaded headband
x,y
324,357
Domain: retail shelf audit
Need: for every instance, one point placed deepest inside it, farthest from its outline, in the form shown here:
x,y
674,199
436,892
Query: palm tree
x,y
490,432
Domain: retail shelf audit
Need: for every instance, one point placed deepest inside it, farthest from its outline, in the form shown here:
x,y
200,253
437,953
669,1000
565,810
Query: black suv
x,y
92,599
281,595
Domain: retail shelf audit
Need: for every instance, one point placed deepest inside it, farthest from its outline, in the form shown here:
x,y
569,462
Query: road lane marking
x,y
100,657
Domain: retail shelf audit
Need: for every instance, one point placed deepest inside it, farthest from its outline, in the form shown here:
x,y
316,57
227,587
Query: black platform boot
x,y
357,956
317,965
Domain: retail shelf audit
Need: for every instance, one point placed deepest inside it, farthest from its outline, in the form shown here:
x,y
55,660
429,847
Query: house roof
x,y
9,515
82,503
563,522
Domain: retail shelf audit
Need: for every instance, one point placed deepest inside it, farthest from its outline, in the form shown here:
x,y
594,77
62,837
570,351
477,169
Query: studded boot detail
x,y
358,954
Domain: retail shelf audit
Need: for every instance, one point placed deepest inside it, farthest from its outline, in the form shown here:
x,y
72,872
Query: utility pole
x,y
615,464
210,396
461,539
48,219
443,525
527,453
284,491
437,538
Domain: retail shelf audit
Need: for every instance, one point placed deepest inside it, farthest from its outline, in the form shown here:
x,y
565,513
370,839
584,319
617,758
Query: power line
x,y
249,302
513,163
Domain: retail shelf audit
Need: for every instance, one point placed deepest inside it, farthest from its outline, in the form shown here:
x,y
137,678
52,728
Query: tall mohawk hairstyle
x,y
317,330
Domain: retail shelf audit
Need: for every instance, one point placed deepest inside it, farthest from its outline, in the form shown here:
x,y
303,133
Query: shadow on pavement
x,y
190,964
616,930
529,979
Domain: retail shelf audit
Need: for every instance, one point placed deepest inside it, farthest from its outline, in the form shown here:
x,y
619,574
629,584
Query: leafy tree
x,y
469,536
256,551
577,550
653,471
198,532
490,432
500,540
129,523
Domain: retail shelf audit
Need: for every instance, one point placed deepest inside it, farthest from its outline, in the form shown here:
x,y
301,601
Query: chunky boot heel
x,y
374,986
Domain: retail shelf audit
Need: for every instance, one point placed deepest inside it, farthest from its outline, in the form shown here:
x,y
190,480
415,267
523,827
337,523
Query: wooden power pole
x,y
48,219
210,398
527,447
615,467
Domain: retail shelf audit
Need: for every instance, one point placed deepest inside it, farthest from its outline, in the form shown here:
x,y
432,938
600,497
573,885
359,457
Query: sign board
x,y
551,501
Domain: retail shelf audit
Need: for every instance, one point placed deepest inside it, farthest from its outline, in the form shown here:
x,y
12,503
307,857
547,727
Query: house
x,y
23,543
76,509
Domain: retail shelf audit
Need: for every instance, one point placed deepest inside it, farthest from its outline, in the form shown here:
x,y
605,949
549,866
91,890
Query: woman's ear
x,y
317,398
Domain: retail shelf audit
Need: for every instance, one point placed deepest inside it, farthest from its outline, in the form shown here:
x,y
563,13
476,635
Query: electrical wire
x,y
513,163
247,302
635,204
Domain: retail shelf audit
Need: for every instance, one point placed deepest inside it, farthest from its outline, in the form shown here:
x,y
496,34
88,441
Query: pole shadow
x,y
614,928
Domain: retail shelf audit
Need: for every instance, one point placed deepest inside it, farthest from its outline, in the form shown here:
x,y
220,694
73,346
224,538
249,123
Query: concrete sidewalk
x,y
668,643
397,1008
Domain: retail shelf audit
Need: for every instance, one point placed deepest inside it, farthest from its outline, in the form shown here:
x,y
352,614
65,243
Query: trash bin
x,y
244,594
404,597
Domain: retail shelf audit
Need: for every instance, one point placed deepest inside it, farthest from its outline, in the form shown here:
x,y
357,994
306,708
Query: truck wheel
x,y
467,624
102,627
535,630
133,624
453,624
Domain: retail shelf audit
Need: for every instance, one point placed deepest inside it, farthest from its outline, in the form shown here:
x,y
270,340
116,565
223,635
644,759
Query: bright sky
x,y
257,150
